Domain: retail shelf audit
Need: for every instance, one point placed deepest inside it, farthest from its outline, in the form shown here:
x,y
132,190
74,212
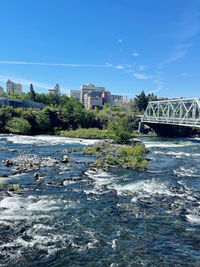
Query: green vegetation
x,y
67,117
113,155
129,151
141,101
120,130
48,120
18,125
11,187
2,185
91,133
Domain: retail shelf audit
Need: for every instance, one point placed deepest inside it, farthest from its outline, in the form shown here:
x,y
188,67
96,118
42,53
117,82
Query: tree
x,y
18,125
57,89
151,97
43,121
141,101
120,131
32,93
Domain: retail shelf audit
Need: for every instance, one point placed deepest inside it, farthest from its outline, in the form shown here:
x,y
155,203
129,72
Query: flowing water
x,y
115,218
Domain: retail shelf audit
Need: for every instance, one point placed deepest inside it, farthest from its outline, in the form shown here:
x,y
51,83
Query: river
x,y
116,218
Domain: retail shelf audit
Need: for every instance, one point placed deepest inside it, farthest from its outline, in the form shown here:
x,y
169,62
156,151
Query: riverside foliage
x,y
68,117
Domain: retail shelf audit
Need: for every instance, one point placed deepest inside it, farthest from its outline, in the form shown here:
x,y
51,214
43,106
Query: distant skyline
x,y
124,45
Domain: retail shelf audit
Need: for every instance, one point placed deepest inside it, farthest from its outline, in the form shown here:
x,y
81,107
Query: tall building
x,y
75,93
86,88
12,87
93,99
116,100
105,97
1,90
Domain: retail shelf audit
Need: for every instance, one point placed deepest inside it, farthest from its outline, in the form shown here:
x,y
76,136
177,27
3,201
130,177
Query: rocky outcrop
x,y
111,155
27,163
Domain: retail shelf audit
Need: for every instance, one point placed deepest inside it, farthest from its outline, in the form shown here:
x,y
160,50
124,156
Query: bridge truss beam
x,y
182,112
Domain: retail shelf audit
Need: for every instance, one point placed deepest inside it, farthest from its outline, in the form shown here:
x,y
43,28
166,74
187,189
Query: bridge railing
x,y
184,112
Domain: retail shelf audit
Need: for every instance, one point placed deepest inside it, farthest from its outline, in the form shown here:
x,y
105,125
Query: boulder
x,y
65,159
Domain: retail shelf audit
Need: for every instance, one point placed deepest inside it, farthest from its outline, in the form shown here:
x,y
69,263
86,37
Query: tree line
x,y
66,113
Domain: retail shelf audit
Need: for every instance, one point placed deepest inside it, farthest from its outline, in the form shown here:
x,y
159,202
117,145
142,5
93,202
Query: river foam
x,y
46,140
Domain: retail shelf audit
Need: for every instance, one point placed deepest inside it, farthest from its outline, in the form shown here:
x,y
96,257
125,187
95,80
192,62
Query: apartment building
x,y
86,88
93,99
12,87
95,96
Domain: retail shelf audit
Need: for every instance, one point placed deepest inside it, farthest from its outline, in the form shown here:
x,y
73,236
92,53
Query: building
x,y
116,100
93,99
51,91
105,97
17,103
75,93
86,88
12,87
94,96
55,91
1,90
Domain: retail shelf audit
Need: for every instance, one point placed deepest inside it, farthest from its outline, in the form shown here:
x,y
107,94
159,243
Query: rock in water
x,y
65,159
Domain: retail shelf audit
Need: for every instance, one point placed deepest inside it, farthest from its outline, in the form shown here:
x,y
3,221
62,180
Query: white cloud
x,y
135,54
119,67
55,64
142,76
142,67
120,41
180,51
159,82
108,64
157,90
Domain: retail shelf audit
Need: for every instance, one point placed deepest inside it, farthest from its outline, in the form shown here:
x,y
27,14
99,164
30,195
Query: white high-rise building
x,y
75,93
86,88
12,87
1,90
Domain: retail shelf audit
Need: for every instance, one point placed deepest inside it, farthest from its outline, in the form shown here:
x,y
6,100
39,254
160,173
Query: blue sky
x,y
125,45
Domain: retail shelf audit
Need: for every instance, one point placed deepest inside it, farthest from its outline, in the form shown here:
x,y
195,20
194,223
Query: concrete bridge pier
x,y
141,127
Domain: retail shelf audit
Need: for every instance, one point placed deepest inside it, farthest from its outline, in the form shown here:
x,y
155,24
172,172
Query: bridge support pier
x,y
141,127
